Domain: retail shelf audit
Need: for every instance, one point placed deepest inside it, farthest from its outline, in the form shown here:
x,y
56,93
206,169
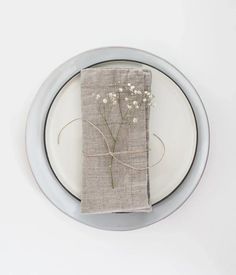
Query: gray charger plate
x,y
37,154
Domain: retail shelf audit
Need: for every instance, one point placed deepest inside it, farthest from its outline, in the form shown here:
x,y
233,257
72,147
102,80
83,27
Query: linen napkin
x,y
112,114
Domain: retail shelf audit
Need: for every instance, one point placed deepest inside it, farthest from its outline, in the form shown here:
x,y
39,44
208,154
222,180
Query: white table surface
x,y
199,38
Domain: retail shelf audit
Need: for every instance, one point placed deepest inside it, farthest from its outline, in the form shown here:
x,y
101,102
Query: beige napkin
x,y
108,184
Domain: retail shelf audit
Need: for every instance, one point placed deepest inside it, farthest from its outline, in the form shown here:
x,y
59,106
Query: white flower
x,y
144,100
136,106
120,90
132,87
126,99
135,120
114,102
114,95
104,100
98,96
135,91
135,102
129,106
139,92
146,92
110,94
129,84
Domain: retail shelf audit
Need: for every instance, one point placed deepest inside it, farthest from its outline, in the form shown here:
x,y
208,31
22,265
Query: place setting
x,y
117,138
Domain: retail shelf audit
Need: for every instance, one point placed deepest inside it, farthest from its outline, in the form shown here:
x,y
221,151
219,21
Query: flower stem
x,y
113,151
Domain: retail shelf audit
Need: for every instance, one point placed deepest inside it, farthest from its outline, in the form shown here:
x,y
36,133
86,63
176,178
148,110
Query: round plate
x,y
37,154
173,120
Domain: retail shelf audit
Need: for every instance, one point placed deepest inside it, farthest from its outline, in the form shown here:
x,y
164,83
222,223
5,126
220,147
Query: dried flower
x,y
133,98
129,106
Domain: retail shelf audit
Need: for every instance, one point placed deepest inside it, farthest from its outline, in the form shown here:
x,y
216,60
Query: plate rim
x,y
46,179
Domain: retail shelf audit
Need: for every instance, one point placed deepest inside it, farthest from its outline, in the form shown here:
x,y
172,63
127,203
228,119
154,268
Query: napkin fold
x,y
112,122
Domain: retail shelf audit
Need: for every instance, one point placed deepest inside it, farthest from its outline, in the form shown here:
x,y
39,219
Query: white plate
x,y
172,119
59,195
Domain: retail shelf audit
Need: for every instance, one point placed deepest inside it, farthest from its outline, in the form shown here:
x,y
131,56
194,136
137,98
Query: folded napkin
x,y
115,118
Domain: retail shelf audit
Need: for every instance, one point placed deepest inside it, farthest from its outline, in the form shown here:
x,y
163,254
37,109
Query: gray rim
x,y
37,155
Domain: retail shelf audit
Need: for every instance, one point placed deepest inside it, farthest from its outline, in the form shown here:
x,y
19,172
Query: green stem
x,y
105,120
114,149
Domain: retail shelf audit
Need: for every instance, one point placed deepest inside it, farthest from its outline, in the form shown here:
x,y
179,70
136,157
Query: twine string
x,y
109,152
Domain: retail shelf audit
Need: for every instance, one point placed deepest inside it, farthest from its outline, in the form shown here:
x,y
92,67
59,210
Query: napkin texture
x,y
131,187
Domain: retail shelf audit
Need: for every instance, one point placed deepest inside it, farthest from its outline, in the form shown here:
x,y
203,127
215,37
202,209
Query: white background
x,y
199,37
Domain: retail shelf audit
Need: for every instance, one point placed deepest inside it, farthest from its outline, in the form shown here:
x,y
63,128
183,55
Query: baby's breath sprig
x,y
129,100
